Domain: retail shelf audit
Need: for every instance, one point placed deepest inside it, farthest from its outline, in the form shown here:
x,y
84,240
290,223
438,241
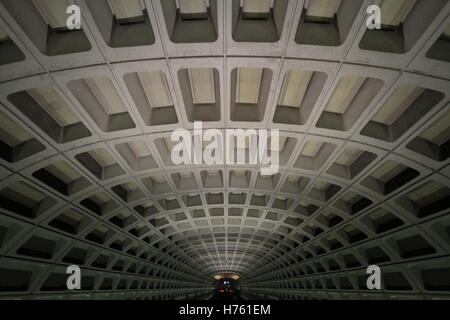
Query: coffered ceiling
x,y
87,178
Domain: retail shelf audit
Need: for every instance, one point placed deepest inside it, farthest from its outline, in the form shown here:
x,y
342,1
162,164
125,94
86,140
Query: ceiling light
x,y
106,94
322,8
155,88
295,84
248,85
393,12
53,12
11,133
312,148
438,133
202,85
256,6
55,106
344,94
192,6
397,103
126,9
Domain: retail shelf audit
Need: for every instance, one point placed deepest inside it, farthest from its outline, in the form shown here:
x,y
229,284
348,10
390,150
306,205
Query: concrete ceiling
x,y
87,179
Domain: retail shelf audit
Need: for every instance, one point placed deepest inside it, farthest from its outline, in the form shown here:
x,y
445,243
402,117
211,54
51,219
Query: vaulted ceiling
x,y
87,177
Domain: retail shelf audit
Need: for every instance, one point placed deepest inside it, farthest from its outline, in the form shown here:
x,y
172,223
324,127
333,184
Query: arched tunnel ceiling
x,y
86,173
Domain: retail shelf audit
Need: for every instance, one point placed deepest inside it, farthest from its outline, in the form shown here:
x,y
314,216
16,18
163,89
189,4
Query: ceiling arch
x,y
87,176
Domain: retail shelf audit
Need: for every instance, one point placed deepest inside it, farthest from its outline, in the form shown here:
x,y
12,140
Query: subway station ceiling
x,y
87,177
